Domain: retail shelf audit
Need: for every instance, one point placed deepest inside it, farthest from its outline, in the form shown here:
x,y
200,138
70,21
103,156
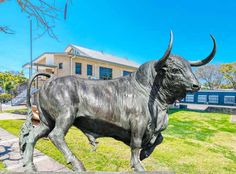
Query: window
x,y
89,70
77,68
105,73
229,99
189,98
126,73
60,65
202,98
213,99
75,52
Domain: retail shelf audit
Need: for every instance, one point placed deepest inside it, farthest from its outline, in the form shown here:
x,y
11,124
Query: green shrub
x,y
5,97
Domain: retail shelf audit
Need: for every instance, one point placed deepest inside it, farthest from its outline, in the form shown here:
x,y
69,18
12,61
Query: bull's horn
x,y
208,59
161,62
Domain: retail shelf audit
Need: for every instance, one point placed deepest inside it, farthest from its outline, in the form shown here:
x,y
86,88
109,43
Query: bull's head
x,y
175,75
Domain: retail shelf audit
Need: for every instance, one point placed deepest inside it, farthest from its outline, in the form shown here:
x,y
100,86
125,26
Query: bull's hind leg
x,y
57,136
36,133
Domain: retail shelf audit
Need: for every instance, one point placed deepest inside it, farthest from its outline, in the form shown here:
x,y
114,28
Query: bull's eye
x,y
162,71
175,70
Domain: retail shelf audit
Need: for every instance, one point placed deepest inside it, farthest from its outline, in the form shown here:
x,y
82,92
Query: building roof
x,y
27,65
88,53
99,55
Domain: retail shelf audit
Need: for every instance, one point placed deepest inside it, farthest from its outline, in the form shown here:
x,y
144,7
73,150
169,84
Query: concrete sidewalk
x,y
9,154
6,107
10,116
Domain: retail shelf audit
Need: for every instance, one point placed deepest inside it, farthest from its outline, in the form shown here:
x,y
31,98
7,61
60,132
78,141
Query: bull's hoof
x,y
29,168
79,168
77,165
139,168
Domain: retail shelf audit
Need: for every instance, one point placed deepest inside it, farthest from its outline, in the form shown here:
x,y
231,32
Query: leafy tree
x,y
226,86
8,86
229,72
9,81
210,76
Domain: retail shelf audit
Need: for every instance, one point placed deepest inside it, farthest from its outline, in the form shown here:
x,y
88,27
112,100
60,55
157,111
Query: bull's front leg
x,y
135,162
137,132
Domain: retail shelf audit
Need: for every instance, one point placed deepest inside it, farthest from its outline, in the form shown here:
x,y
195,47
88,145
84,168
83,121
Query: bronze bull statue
x,y
132,109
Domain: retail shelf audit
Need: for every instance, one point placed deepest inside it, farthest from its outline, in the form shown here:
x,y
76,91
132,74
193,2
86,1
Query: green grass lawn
x,y
195,142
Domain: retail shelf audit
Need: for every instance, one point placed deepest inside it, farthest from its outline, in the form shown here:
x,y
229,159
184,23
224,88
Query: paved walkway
x,y
10,116
9,154
9,107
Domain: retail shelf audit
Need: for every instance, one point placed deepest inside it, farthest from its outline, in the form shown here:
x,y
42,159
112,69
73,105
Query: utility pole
x,y
31,55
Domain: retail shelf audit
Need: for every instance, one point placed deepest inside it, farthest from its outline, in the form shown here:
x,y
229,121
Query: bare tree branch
x,y
65,10
44,13
6,30
211,75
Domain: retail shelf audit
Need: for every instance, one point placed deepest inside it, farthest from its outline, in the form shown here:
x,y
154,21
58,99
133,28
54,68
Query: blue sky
x,y
135,29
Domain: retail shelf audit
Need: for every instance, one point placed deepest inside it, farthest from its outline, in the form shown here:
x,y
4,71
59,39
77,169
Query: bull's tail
x,y
28,125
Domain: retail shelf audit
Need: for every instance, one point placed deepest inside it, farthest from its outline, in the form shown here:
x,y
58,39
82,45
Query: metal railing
x,y
21,98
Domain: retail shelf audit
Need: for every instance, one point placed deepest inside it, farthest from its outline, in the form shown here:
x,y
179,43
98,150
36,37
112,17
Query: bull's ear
x,y
160,66
161,70
160,63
